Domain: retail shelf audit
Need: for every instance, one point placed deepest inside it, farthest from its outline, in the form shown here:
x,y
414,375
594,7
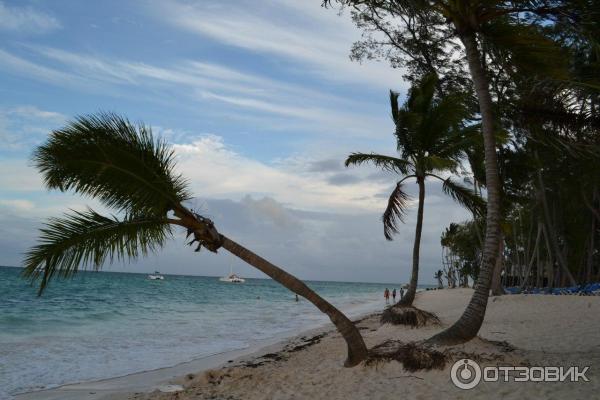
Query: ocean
x,y
102,325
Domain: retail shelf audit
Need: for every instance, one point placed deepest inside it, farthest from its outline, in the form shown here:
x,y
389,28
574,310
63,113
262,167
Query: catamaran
x,y
232,278
156,276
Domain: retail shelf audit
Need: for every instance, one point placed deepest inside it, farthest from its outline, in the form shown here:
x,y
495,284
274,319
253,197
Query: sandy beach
x,y
519,330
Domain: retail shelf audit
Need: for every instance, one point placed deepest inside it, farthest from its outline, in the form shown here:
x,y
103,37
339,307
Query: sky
x,y
261,104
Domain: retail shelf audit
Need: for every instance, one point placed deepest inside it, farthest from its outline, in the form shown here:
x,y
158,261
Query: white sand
x,y
544,330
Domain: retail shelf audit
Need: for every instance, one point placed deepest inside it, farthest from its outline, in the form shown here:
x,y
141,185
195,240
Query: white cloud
x,y
23,126
191,73
34,112
317,38
207,82
216,171
262,105
26,19
88,65
22,67
18,204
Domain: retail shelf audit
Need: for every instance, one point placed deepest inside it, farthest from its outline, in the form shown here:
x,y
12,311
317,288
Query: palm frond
x,y
407,142
410,117
444,116
435,163
107,157
426,124
387,163
527,49
83,239
420,96
394,212
464,196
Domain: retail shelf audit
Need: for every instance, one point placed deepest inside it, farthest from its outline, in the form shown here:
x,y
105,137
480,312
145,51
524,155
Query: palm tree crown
x,y
431,139
120,164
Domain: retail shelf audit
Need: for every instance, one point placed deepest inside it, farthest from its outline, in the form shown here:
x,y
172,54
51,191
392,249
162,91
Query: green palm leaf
x,y
420,96
107,157
464,196
526,48
386,163
435,163
440,129
82,239
394,212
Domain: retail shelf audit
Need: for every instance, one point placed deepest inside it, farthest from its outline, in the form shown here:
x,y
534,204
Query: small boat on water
x,y
156,276
232,278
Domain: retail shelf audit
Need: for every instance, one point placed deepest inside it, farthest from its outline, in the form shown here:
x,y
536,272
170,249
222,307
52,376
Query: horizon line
x,y
216,276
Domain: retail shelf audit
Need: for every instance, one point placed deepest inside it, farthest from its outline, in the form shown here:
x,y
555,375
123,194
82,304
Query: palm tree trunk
x,y
530,265
470,322
550,271
357,351
207,235
551,229
409,297
497,289
590,255
540,279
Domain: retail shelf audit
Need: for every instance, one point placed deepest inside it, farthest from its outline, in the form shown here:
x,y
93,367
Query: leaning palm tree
x,y
431,140
123,166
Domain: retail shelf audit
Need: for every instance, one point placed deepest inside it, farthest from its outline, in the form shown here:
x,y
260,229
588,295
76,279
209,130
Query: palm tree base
x,y
408,315
413,356
406,300
354,358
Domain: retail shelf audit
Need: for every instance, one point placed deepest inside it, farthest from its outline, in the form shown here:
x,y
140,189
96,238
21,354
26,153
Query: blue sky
x,y
261,103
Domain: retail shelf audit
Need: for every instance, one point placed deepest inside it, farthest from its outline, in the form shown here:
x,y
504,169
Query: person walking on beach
x,y
394,295
401,293
386,295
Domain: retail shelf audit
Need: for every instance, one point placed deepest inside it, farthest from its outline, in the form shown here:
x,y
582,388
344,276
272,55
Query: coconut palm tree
x,y
123,166
443,27
431,139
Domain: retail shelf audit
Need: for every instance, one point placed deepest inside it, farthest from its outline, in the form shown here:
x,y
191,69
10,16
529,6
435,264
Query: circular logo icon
x,y
465,374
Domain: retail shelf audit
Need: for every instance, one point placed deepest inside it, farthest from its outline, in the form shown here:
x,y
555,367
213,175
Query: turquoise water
x,y
102,325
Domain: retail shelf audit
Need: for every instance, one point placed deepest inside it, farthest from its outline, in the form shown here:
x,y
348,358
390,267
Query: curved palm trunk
x,y
469,323
409,297
357,351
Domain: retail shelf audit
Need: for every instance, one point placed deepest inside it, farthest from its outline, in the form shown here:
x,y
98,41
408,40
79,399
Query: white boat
x,y
156,276
232,278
